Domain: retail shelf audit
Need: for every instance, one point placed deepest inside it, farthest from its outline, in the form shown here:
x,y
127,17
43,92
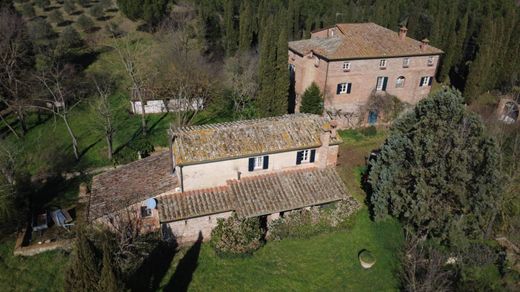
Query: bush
x,y
96,11
84,3
306,223
85,23
40,30
69,7
42,3
235,236
70,38
369,131
27,10
312,100
55,16
106,4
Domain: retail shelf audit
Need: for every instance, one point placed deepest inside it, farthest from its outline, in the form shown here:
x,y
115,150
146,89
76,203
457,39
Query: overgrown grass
x,y
324,262
43,272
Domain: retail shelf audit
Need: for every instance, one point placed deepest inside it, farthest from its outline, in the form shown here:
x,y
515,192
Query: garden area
x,y
328,260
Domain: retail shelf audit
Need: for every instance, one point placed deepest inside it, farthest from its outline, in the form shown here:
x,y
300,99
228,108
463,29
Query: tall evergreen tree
x,y
281,92
246,26
109,281
312,100
267,70
230,37
83,273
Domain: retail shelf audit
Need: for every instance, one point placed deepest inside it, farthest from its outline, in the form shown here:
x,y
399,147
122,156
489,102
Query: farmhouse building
x,y
260,167
351,62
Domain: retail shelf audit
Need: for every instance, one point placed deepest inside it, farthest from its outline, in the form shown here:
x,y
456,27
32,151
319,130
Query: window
x,y
305,156
316,61
399,83
430,61
346,66
381,83
382,64
425,81
344,88
145,212
258,162
406,62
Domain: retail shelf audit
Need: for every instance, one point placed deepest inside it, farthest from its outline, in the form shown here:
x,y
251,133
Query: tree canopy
x,y
437,172
312,101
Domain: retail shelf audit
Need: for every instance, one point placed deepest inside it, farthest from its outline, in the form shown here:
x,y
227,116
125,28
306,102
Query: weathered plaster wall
x,y
187,231
214,174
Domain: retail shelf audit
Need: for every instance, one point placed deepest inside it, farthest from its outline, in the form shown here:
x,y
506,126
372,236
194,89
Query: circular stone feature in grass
x,y
366,259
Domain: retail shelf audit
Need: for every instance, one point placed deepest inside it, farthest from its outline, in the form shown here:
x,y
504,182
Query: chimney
x,y
325,135
333,130
424,44
402,32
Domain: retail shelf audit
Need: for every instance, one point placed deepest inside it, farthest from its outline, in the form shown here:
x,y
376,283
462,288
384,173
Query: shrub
x,y
306,223
369,131
96,11
55,16
312,100
105,4
27,10
84,3
85,23
42,3
40,30
69,7
235,236
70,38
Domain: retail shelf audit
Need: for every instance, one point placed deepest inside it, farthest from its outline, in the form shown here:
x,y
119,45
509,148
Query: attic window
x,y
406,62
316,61
430,61
346,66
382,64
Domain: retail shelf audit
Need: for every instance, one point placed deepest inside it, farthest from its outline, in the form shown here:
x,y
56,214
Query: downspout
x,y
325,85
182,180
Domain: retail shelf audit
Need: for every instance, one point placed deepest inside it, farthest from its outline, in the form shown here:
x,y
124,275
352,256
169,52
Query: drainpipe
x,y
172,158
325,85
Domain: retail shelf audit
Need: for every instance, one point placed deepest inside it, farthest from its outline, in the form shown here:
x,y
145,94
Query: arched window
x,y
399,83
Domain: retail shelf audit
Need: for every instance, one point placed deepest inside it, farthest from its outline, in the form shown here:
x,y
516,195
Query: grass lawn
x,y
324,262
43,272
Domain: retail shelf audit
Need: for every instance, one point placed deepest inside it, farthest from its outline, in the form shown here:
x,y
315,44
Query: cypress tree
x,y
230,39
83,273
312,101
282,69
109,281
246,26
267,70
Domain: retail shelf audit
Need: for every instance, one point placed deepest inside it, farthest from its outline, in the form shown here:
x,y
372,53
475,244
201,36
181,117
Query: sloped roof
x,y
132,183
288,190
257,195
214,142
195,203
362,40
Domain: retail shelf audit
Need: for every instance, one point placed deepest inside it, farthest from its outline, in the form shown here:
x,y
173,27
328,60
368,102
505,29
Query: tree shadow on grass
x,y
139,132
181,279
149,275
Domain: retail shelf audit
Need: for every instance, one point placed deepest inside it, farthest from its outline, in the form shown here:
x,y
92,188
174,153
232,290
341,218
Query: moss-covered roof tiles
x,y
215,142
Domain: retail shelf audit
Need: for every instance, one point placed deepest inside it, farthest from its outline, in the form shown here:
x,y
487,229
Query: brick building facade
x,y
352,62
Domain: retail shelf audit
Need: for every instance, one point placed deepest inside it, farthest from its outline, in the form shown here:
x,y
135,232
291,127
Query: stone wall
x,y
187,231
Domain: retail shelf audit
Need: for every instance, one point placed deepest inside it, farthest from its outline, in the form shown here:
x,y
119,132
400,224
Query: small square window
x,y
382,63
343,88
406,62
425,81
430,61
259,162
145,212
316,61
346,66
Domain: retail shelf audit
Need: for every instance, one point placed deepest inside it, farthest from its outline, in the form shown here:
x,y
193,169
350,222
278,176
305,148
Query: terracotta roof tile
x,y
362,40
119,188
198,144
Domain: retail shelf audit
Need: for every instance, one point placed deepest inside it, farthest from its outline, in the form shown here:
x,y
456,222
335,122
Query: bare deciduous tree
x,y
13,65
132,56
104,111
240,73
62,96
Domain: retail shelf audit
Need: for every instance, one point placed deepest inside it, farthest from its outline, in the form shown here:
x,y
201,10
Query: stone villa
x,y
260,167
352,61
